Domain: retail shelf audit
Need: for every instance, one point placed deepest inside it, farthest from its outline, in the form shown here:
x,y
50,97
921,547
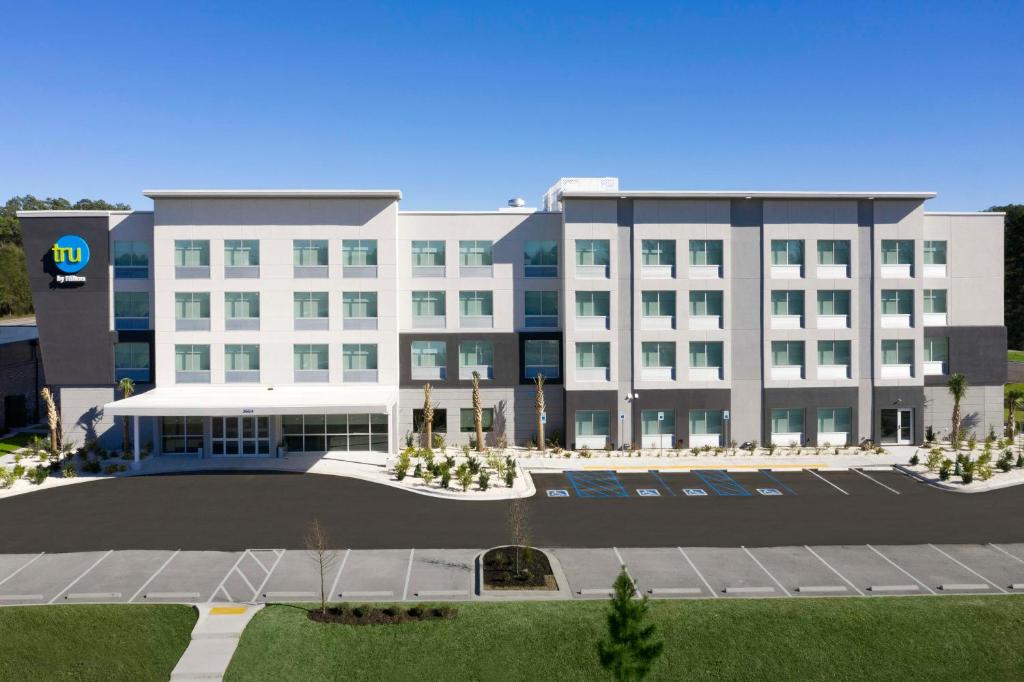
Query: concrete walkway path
x,y
214,639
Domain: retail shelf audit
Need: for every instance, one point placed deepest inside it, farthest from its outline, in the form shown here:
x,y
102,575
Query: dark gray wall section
x,y
865,213
746,212
592,400
979,353
141,336
680,401
73,320
506,359
546,336
810,400
899,397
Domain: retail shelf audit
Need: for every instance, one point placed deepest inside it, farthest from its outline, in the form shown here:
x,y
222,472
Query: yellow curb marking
x,y
227,610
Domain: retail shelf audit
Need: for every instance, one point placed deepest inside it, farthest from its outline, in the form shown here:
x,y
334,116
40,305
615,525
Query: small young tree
x,y
1014,402
538,407
957,386
127,388
478,413
428,416
318,546
630,649
52,418
519,531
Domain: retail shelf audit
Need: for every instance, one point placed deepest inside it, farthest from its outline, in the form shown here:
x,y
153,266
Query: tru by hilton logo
x,y
70,255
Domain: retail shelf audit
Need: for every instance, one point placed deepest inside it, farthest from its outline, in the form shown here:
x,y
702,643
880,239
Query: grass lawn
x,y
1006,389
909,638
1015,355
15,442
93,641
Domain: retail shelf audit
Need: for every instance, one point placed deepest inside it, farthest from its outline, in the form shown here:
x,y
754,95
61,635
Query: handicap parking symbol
x,y
648,492
695,492
558,492
769,491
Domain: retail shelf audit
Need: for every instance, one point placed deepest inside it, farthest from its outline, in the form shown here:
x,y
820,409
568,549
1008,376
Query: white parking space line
x,y
146,584
94,565
832,568
875,480
814,473
767,572
334,585
227,575
29,562
900,569
963,565
264,583
622,562
699,574
1012,556
408,574
253,556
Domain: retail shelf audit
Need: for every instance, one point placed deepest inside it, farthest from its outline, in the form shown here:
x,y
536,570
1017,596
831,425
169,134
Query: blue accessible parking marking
x,y
648,492
722,483
695,492
596,484
771,492
558,492
782,485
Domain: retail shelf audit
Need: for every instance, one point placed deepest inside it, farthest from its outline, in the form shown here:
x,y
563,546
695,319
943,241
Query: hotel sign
x,y
70,255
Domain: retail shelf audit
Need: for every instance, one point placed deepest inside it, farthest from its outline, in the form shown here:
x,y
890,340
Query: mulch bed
x,y
534,569
381,615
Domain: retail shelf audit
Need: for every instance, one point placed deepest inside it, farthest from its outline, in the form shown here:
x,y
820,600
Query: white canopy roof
x,y
208,401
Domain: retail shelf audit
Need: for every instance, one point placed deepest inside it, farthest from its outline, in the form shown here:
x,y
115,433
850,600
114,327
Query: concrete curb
x,y
955,487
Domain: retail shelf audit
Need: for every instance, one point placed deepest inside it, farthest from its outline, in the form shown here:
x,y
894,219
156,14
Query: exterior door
x,y
897,427
241,436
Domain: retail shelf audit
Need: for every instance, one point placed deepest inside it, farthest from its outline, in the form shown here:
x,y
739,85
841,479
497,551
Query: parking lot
x,y
278,575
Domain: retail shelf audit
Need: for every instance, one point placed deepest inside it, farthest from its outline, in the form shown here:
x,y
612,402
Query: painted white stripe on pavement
x,y
769,573
966,567
158,571
408,574
813,473
22,567
86,571
833,569
874,480
334,585
699,574
901,569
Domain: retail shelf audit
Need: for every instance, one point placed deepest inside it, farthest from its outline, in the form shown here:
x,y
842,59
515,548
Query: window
x,y
592,252
131,310
787,353
935,301
591,304
787,252
359,356
359,304
191,358
181,435
897,352
319,432
438,425
131,260
658,303
592,354
240,253
428,304
705,422
358,252
131,360
834,302
191,253
476,253
833,352
310,304
658,251
309,252
427,254
787,421
658,423
833,252
541,258
834,420
788,303
541,357
241,357
191,305
658,354
936,349
310,357
474,355
934,252
706,252
476,303
897,252
427,358
897,302
241,305
467,423
706,354
706,303
541,308
592,423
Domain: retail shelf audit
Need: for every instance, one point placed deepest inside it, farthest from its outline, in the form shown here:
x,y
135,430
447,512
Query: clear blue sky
x,y
463,105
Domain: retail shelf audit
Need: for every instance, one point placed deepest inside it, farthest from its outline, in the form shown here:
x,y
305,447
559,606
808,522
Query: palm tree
x,y
428,416
52,418
1014,402
478,413
538,405
957,386
127,388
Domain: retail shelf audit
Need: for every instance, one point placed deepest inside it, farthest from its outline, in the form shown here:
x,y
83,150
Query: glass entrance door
x,y
241,436
897,427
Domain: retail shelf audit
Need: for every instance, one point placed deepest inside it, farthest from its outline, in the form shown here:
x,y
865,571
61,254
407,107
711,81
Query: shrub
x,y
464,476
19,470
38,475
474,465
446,475
415,611
935,458
1005,465
983,467
402,465
915,460
1020,461
418,471
967,474
408,439
584,452
438,443
92,467
427,476
69,471
944,468
7,478
483,480
929,434
510,475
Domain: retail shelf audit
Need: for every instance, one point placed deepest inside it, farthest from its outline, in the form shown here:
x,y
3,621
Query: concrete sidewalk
x,y
214,639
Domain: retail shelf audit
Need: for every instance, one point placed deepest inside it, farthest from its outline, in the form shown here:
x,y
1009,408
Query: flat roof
x,y
10,333
739,194
218,400
273,193
74,214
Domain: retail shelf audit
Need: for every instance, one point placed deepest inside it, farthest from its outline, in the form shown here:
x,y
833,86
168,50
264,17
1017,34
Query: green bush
x,y
935,459
967,475
510,474
418,471
474,465
483,480
1020,461
944,468
7,478
446,475
92,467
915,460
402,465
38,475
19,470
464,476
69,471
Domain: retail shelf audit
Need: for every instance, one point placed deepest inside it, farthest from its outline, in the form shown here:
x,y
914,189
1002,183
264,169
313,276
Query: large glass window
x,y
936,349
476,303
897,351
318,432
241,357
658,251
833,352
706,252
191,253
897,302
834,419
181,435
541,308
428,304
541,258
467,424
592,354
592,423
658,354
658,303
897,252
310,304
541,357
787,302
359,356
706,422
191,305
427,254
833,252
591,304
311,356
428,354
476,252
658,423
241,252
833,302
439,425
934,252
476,354
787,353
131,310
309,252
131,360
787,420
359,304
191,358
592,252
935,301
787,252
706,354
359,252
241,304
705,303
131,259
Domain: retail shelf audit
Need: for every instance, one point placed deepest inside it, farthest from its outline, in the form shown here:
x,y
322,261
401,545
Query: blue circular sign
x,y
70,253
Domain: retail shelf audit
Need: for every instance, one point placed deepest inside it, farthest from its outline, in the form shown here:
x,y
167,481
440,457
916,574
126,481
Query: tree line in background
x,y
15,297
